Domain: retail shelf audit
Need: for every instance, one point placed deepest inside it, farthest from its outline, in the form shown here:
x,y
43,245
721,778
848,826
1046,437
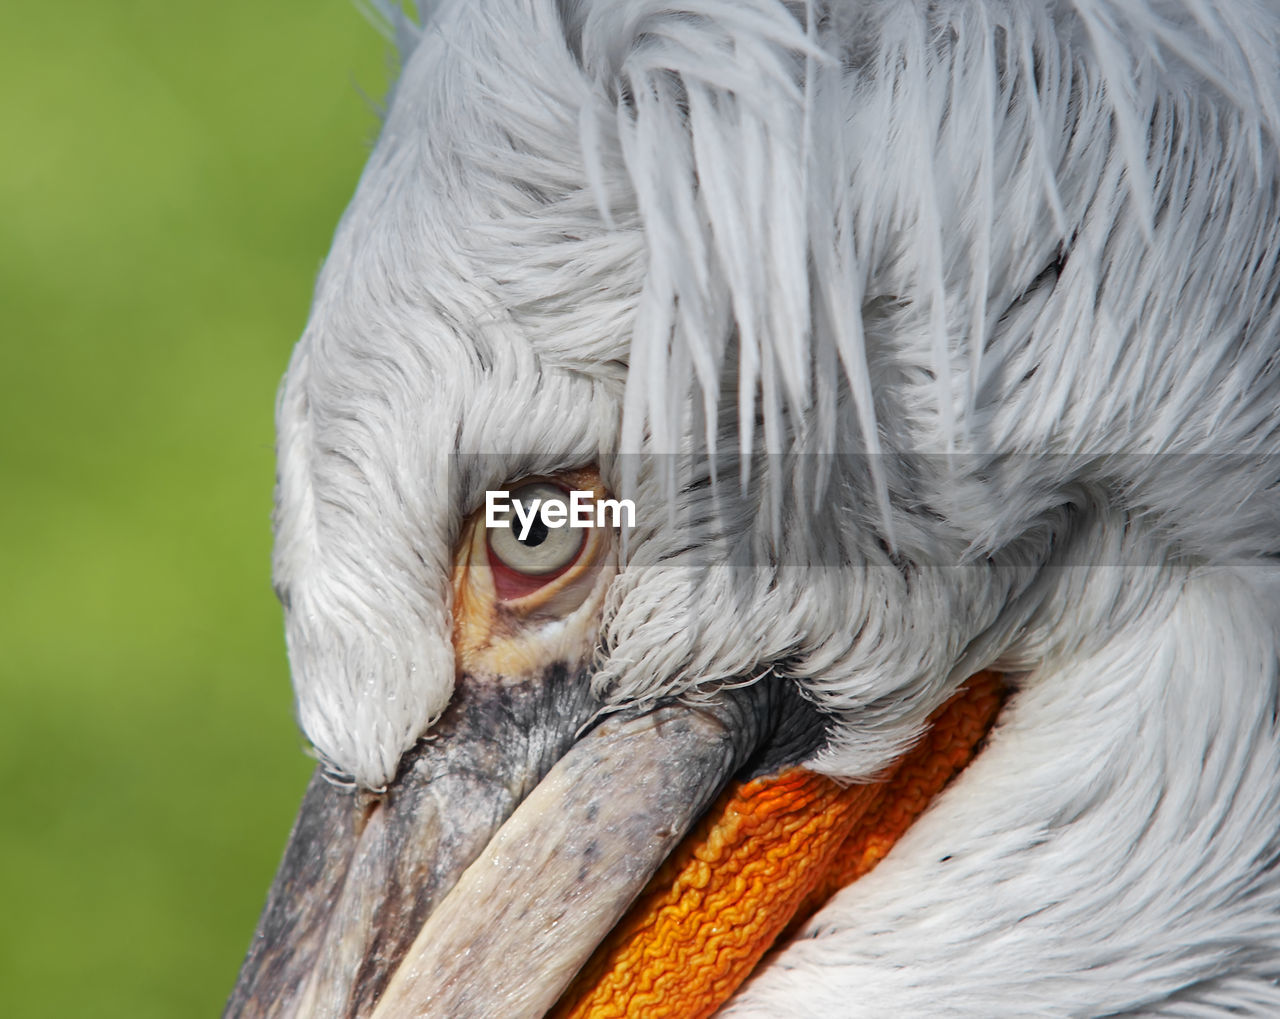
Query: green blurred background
x,y
171,175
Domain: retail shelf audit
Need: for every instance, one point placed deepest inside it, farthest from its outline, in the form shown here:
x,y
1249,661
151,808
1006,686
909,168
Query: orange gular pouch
x,y
767,855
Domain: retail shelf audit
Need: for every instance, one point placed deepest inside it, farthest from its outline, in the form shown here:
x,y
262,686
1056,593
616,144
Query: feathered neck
x,y
1113,849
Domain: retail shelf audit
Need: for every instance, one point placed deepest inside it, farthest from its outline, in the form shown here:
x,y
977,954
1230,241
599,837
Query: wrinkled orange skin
x,y
768,854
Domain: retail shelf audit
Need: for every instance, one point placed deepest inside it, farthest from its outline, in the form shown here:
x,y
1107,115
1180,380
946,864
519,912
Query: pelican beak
x,y
502,838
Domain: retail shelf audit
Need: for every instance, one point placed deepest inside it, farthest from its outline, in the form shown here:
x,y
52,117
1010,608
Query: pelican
x,y
936,347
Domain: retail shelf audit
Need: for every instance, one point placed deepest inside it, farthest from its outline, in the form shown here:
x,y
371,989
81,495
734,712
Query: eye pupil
x,y
537,533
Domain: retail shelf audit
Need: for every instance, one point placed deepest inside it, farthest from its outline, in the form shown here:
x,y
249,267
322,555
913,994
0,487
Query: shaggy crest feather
x,y
979,302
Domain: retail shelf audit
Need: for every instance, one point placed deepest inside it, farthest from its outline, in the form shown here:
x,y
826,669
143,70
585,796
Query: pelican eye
x,y
535,558
537,538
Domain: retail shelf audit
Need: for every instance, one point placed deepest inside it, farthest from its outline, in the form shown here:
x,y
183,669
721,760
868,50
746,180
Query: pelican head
x,y
936,351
